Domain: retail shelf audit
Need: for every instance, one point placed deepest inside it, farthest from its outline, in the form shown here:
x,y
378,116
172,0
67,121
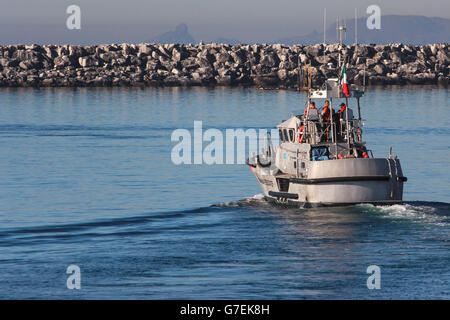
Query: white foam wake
x,y
257,199
418,213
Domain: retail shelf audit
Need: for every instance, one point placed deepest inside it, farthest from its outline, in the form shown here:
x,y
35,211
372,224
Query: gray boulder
x,y
88,61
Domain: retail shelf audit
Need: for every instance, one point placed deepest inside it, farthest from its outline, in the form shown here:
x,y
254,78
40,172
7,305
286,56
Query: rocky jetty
x,y
275,65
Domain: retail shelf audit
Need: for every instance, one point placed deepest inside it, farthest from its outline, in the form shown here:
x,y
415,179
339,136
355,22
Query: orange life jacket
x,y
342,109
326,113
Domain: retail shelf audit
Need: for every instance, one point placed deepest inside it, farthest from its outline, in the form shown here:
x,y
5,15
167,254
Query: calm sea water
x,y
87,179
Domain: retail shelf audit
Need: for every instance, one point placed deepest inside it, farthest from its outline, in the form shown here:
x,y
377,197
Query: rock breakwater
x,y
218,64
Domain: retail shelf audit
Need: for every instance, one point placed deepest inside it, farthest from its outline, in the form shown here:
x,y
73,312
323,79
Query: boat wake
x,y
436,213
256,200
417,211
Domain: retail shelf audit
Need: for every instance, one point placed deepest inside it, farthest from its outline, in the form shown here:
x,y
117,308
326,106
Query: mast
x,y
356,33
342,31
356,26
324,25
331,121
300,73
337,31
346,123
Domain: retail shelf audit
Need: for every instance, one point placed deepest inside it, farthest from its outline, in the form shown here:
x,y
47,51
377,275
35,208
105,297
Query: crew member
x,y
343,107
341,113
326,117
326,111
311,106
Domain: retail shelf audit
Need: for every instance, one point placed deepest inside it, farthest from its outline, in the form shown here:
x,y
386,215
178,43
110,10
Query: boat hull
x,y
336,182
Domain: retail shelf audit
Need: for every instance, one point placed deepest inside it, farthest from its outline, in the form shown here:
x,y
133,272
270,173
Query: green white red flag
x,y
344,82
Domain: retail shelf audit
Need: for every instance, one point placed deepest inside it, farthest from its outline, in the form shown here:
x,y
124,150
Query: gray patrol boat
x,y
323,160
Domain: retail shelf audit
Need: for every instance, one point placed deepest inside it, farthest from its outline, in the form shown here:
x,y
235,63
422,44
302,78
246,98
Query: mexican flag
x,y
344,82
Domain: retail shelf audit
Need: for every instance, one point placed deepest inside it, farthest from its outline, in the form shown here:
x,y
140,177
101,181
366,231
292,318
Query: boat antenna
x,y
337,29
356,26
300,73
324,32
324,25
341,29
345,26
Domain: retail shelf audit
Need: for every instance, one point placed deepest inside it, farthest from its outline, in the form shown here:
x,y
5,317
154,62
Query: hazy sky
x,y
208,19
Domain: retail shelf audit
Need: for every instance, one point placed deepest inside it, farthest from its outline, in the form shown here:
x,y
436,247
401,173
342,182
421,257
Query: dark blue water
x,y
87,179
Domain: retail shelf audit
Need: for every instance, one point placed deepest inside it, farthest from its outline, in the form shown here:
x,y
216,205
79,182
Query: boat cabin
x,y
335,135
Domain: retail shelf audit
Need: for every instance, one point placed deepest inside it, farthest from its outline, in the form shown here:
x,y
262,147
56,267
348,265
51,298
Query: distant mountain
x,y
179,35
394,28
182,35
417,30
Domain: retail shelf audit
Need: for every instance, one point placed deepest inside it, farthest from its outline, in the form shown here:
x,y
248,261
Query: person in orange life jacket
x,y
338,116
326,111
326,117
343,107
341,113
311,106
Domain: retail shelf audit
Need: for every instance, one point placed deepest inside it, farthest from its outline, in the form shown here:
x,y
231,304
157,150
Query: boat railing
x,y
326,131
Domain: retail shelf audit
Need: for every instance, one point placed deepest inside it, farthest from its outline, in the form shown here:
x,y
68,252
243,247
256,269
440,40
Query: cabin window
x,y
291,135
280,132
286,138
